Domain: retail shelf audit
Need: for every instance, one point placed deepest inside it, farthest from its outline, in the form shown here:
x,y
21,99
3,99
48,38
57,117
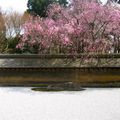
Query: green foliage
x,y
39,7
3,45
11,45
28,50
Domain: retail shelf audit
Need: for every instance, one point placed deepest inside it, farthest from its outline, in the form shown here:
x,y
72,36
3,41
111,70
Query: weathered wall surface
x,y
36,76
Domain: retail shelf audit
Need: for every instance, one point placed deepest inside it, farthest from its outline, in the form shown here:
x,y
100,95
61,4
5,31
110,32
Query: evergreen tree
x,y
39,7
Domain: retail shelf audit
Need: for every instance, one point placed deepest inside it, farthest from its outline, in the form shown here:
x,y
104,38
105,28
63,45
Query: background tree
x,y
109,2
13,22
2,33
118,1
39,7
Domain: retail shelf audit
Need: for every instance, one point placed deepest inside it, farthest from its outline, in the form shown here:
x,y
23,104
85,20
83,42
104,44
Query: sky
x,y
17,5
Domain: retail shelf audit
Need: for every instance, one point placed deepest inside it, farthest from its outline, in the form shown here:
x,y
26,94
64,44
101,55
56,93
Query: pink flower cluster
x,y
80,27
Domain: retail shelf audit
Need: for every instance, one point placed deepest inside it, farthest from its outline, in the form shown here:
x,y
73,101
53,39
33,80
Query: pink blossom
x,y
69,28
82,26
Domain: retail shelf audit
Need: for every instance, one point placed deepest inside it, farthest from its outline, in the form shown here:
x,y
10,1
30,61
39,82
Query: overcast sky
x,y
18,5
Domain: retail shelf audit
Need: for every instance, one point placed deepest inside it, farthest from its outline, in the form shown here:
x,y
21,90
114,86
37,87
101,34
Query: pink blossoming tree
x,y
82,27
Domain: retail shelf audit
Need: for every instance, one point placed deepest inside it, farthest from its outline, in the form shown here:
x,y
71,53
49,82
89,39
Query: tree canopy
x,y
86,28
39,7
